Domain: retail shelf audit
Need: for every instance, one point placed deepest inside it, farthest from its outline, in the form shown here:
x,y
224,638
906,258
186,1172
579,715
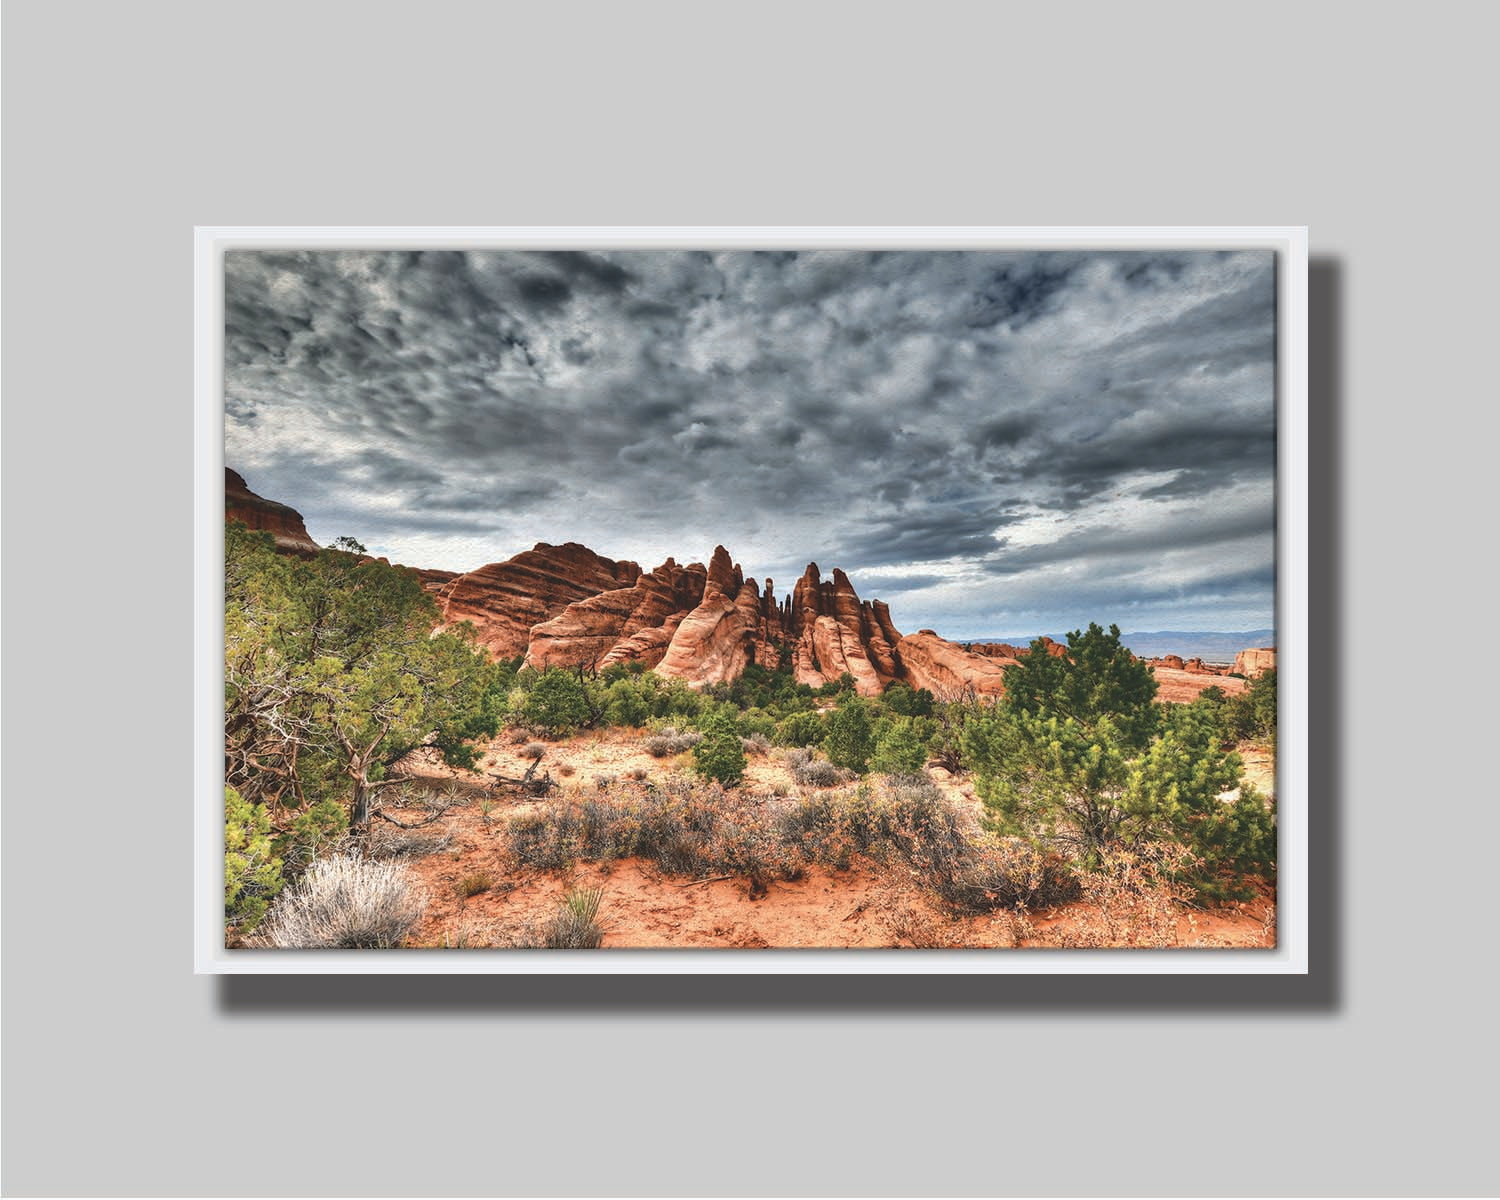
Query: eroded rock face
x,y
1251,663
281,521
948,670
564,606
505,600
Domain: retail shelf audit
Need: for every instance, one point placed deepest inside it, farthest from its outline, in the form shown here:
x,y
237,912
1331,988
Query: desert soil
x,y
863,906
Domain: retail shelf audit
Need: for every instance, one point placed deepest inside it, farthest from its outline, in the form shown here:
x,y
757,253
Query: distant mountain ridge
x,y
1211,646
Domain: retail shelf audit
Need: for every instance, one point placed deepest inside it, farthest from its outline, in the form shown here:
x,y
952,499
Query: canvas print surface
x,y
749,599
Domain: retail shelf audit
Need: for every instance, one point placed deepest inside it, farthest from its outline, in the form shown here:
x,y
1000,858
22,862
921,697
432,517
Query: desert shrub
x,y
344,903
910,819
1131,899
904,701
533,750
684,826
575,927
810,771
252,872
314,832
1251,715
850,740
473,935
800,729
756,744
677,699
899,750
629,694
668,743
756,722
557,703
1077,756
474,884
719,755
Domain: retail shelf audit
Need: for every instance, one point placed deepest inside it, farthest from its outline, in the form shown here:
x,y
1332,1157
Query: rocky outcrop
x,y
947,670
281,521
566,606
506,600
1251,663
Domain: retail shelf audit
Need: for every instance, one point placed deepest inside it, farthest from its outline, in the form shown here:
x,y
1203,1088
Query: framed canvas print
x,y
751,600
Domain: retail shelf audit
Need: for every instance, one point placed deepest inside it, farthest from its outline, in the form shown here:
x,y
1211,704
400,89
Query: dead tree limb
x,y
528,783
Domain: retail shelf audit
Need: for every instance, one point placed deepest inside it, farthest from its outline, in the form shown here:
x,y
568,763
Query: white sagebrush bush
x,y
345,903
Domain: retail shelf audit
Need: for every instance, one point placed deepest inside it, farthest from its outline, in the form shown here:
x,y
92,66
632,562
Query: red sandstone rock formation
x,y
1250,663
568,606
947,670
505,600
281,521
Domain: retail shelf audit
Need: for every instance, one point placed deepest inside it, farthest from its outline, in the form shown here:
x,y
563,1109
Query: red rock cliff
x,y
281,521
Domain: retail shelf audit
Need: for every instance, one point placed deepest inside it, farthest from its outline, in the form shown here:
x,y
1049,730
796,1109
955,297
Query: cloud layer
x,y
997,443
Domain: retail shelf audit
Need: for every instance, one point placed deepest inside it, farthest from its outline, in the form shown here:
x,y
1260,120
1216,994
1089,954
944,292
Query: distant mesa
x,y
1251,663
567,606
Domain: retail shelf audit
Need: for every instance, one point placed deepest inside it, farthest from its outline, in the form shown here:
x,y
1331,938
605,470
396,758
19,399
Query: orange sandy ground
x,y
864,906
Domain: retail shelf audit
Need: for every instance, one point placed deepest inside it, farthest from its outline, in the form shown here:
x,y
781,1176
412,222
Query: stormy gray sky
x,y
995,443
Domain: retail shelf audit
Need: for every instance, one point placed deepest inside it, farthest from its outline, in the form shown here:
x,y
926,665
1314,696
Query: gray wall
x,y
127,124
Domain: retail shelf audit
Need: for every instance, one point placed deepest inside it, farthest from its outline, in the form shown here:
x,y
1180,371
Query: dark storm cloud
x,y
895,411
928,536
1201,529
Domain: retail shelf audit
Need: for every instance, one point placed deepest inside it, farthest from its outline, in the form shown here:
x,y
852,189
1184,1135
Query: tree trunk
x,y
359,809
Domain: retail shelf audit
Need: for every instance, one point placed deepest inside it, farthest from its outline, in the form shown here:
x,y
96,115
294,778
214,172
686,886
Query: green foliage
x,y
719,755
844,685
1247,716
629,698
1251,715
904,701
850,740
252,873
332,673
899,750
313,832
1090,788
800,729
1097,678
557,703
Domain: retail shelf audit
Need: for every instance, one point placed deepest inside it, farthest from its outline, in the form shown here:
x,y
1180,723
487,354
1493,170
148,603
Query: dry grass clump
x,y
474,935
391,841
808,770
344,903
1131,899
668,743
684,825
909,819
574,926
474,884
912,918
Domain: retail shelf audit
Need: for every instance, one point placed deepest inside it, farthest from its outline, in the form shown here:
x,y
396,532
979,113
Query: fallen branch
x,y
437,816
528,782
